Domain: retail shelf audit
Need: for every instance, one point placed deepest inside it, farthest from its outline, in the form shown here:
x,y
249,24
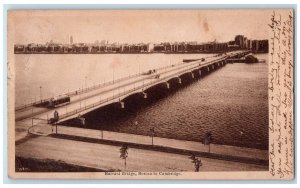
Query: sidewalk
x,y
225,151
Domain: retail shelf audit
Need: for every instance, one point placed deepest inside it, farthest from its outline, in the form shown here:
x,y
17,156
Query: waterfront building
x,y
239,40
150,47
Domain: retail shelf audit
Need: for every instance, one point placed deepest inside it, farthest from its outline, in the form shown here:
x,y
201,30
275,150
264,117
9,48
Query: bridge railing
x,y
100,102
129,91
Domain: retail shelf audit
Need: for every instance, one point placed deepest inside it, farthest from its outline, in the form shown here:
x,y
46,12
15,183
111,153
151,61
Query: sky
x,y
137,26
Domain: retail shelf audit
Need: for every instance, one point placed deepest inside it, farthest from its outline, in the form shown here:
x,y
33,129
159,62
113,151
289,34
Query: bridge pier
x,y
207,68
179,80
199,73
80,119
192,74
122,104
168,85
144,95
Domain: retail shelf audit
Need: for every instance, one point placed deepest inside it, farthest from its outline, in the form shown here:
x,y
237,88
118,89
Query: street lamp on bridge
x,y
41,93
85,82
113,75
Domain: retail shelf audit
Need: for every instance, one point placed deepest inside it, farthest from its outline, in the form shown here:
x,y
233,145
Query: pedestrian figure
x,y
196,161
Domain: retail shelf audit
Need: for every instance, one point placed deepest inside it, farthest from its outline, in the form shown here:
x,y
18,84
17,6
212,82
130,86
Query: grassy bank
x,y
47,165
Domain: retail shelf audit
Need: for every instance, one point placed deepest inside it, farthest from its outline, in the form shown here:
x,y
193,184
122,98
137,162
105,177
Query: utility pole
x,y
152,133
113,75
80,99
85,83
41,93
139,67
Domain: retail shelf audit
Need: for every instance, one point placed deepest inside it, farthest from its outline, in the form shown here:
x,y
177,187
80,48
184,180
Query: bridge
x,y
86,100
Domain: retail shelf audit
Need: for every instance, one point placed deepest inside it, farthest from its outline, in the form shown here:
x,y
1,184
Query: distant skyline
x,y
133,26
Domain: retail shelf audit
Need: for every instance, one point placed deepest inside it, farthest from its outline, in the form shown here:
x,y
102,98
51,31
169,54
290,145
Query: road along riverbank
x,y
102,157
215,151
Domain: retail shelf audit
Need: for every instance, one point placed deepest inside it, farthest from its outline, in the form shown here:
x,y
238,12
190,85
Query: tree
x,y
208,139
196,161
124,153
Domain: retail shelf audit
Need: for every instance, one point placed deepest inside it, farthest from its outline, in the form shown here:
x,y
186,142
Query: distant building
x,y
231,42
150,47
245,43
260,46
158,47
239,40
233,47
248,42
19,48
239,43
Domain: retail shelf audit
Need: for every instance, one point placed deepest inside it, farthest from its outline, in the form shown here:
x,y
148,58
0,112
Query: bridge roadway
x,y
91,99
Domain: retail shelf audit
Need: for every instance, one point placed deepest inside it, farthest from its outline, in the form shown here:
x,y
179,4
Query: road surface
x,y
107,157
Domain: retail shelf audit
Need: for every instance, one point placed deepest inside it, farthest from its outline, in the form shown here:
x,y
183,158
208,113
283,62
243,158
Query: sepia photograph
x,y
151,94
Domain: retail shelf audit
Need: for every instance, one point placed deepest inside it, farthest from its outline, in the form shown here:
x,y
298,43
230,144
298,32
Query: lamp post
x,y
139,68
113,75
41,93
85,83
152,133
80,99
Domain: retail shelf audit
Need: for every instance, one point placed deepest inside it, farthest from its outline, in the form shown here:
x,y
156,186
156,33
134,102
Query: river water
x,y
231,103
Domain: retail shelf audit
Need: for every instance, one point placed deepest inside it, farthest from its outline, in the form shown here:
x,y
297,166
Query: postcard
x,y
151,94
